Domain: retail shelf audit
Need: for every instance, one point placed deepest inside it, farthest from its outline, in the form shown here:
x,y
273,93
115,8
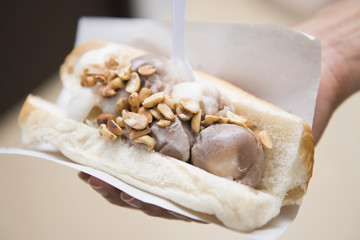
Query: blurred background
x,y
37,35
42,200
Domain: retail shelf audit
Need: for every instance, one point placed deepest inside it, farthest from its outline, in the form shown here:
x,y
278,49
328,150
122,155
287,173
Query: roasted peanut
x,y
165,111
155,113
183,114
112,63
121,104
135,134
107,91
265,139
163,123
124,71
120,121
195,122
87,81
101,79
147,140
190,105
171,102
135,120
146,70
125,113
133,85
114,128
134,102
106,133
110,75
146,113
116,83
153,100
210,119
144,93
236,119
104,118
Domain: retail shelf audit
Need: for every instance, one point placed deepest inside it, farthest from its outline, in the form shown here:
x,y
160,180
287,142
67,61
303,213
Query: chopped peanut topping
x,y
265,139
133,85
124,71
135,134
116,83
190,105
195,122
107,91
114,128
111,77
120,122
104,118
144,93
101,79
128,128
210,119
121,104
163,123
125,113
148,141
106,134
171,102
165,111
87,81
153,100
236,119
112,63
135,120
146,70
183,114
155,113
146,113
134,102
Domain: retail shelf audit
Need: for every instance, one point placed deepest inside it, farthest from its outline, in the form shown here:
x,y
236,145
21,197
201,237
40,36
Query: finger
x,y
84,176
151,209
117,197
109,192
130,200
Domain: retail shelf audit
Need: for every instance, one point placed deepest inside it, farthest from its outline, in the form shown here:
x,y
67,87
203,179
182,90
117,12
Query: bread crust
x,y
216,199
35,120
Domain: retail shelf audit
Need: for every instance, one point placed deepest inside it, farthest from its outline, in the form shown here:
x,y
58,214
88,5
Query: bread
x,y
288,166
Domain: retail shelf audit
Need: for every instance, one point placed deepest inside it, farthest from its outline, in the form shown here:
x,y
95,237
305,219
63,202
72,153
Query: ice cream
x,y
229,151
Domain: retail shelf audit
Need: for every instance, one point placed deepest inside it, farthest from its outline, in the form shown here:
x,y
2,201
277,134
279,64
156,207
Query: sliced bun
x,y
288,166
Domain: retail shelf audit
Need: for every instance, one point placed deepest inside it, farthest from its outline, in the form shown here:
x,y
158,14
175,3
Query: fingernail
x,y
84,176
100,189
130,200
178,215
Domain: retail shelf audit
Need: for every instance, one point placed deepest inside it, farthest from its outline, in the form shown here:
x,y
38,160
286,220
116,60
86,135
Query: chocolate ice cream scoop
x,y
174,140
229,151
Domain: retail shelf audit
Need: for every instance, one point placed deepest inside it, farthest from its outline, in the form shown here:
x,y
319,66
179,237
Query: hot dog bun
x,y
288,166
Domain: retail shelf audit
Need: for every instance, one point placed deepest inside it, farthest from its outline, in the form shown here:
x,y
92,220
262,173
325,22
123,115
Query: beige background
x,y
43,200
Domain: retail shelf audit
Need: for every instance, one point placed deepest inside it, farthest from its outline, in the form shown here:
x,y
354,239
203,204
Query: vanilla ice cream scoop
x,y
210,99
229,151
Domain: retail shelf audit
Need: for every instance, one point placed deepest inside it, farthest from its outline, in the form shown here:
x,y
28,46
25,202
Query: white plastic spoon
x,y
178,35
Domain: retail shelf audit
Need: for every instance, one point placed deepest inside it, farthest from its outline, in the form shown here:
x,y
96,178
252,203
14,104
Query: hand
x,y
117,197
338,28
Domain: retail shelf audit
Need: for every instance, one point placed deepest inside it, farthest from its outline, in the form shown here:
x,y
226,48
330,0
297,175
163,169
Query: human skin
x,y
338,28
